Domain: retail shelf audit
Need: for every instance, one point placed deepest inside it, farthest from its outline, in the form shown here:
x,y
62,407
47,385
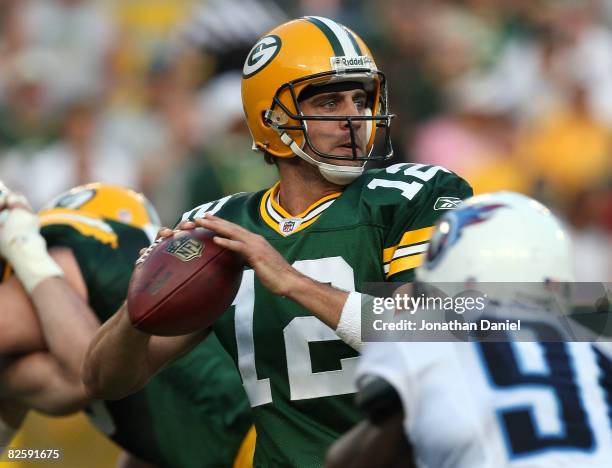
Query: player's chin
x,y
346,152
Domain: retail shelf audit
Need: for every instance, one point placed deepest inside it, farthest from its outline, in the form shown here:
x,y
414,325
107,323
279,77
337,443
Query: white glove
x,y
21,243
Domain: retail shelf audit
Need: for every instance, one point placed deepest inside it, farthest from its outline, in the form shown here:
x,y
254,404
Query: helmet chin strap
x,y
339,175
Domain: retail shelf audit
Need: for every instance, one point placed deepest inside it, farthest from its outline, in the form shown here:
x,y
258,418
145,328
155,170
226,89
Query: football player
x,y
490,404
317,108
74,261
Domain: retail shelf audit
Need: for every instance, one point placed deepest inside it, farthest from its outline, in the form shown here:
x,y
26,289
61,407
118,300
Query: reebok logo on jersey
x,y
447,203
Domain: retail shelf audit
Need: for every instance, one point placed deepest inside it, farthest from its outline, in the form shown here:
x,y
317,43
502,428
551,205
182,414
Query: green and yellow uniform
x,y
192,414
298,375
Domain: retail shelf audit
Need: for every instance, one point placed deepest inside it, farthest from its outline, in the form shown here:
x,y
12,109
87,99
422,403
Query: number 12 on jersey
x,y
299,332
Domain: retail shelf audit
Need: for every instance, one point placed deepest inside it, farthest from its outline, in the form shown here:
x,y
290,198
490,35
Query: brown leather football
x,y
183,283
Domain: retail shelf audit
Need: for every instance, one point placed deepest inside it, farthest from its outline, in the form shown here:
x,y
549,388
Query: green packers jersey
x,y
192,414
298,375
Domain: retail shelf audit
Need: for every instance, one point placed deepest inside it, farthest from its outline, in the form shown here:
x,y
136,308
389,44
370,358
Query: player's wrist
x,y
349,324
297,285
22,245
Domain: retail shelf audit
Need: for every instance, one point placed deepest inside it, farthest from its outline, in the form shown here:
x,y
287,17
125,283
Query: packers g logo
x,y
261,54
74,199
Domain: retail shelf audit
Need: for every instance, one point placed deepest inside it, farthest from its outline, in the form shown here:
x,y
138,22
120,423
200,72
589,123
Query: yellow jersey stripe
x,y
405,263
89,227
264,213
244,457
409,237
283,213
270,209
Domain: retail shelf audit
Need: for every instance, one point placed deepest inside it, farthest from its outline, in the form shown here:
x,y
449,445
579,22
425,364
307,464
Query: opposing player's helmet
x,y
110,202
498,237
306,53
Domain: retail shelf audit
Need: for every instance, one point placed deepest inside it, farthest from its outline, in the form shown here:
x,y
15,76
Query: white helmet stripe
x,y
341,34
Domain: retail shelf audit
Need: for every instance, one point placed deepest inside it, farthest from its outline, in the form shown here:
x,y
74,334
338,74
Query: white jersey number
x,y
408,189
303,382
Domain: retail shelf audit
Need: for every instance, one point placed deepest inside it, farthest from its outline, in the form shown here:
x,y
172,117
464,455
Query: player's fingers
x,y
223,230
17,200
226,228
144,253
10,199
184,225
229,244
164,232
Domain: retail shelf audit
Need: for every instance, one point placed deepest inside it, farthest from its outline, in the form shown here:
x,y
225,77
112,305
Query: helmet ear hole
x,y
265,119
274,118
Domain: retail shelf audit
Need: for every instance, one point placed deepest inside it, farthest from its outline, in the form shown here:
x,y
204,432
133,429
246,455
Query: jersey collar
x,y
285,224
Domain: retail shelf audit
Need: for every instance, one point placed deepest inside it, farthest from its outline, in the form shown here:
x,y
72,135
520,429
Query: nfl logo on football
x,y
185,249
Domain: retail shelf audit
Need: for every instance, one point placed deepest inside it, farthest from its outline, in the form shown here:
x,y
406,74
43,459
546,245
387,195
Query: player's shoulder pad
x,y
377,398
84,223
410,184
216,206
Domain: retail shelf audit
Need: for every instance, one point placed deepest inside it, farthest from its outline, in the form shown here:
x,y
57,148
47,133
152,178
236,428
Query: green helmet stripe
x,y
331,37
354,41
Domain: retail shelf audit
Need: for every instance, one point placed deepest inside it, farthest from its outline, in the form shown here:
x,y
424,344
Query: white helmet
x,y
498,237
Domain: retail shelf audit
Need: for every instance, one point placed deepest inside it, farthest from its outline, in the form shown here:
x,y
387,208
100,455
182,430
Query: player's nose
x,y
350,108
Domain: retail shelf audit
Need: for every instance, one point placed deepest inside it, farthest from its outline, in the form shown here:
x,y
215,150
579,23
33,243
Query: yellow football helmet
x,y
310,52
110,202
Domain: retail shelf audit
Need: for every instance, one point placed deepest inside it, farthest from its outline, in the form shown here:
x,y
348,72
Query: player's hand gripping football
x,y
271,268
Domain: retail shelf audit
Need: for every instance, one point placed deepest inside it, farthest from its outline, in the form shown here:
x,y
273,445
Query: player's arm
x,y
380,436
68,323
38,381
49,333
52,281
19,327
121,359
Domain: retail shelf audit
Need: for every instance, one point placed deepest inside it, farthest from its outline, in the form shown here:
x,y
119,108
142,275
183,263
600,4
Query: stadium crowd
x,y
511,95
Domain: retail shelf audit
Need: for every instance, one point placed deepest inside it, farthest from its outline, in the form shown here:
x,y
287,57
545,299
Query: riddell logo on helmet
x,y
343,63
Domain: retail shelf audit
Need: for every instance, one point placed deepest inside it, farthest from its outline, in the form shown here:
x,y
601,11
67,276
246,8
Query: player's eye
x,y
330,104
360,103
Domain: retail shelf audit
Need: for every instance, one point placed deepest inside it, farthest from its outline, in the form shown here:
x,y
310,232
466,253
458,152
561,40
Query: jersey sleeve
x,y
417,196
212,207
105,252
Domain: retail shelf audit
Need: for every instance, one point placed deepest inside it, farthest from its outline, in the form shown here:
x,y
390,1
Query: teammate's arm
x,y
38,381
383,441
380,436
121,359
19,327
49,333
68,323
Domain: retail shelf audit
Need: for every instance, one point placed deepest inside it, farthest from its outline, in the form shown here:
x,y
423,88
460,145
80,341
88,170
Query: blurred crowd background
x,y
145,93
510,94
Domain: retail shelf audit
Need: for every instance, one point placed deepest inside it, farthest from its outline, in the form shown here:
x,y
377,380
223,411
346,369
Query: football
x,y
183,283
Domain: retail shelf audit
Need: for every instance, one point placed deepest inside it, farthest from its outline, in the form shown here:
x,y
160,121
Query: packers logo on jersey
x,y
261,54
185,249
